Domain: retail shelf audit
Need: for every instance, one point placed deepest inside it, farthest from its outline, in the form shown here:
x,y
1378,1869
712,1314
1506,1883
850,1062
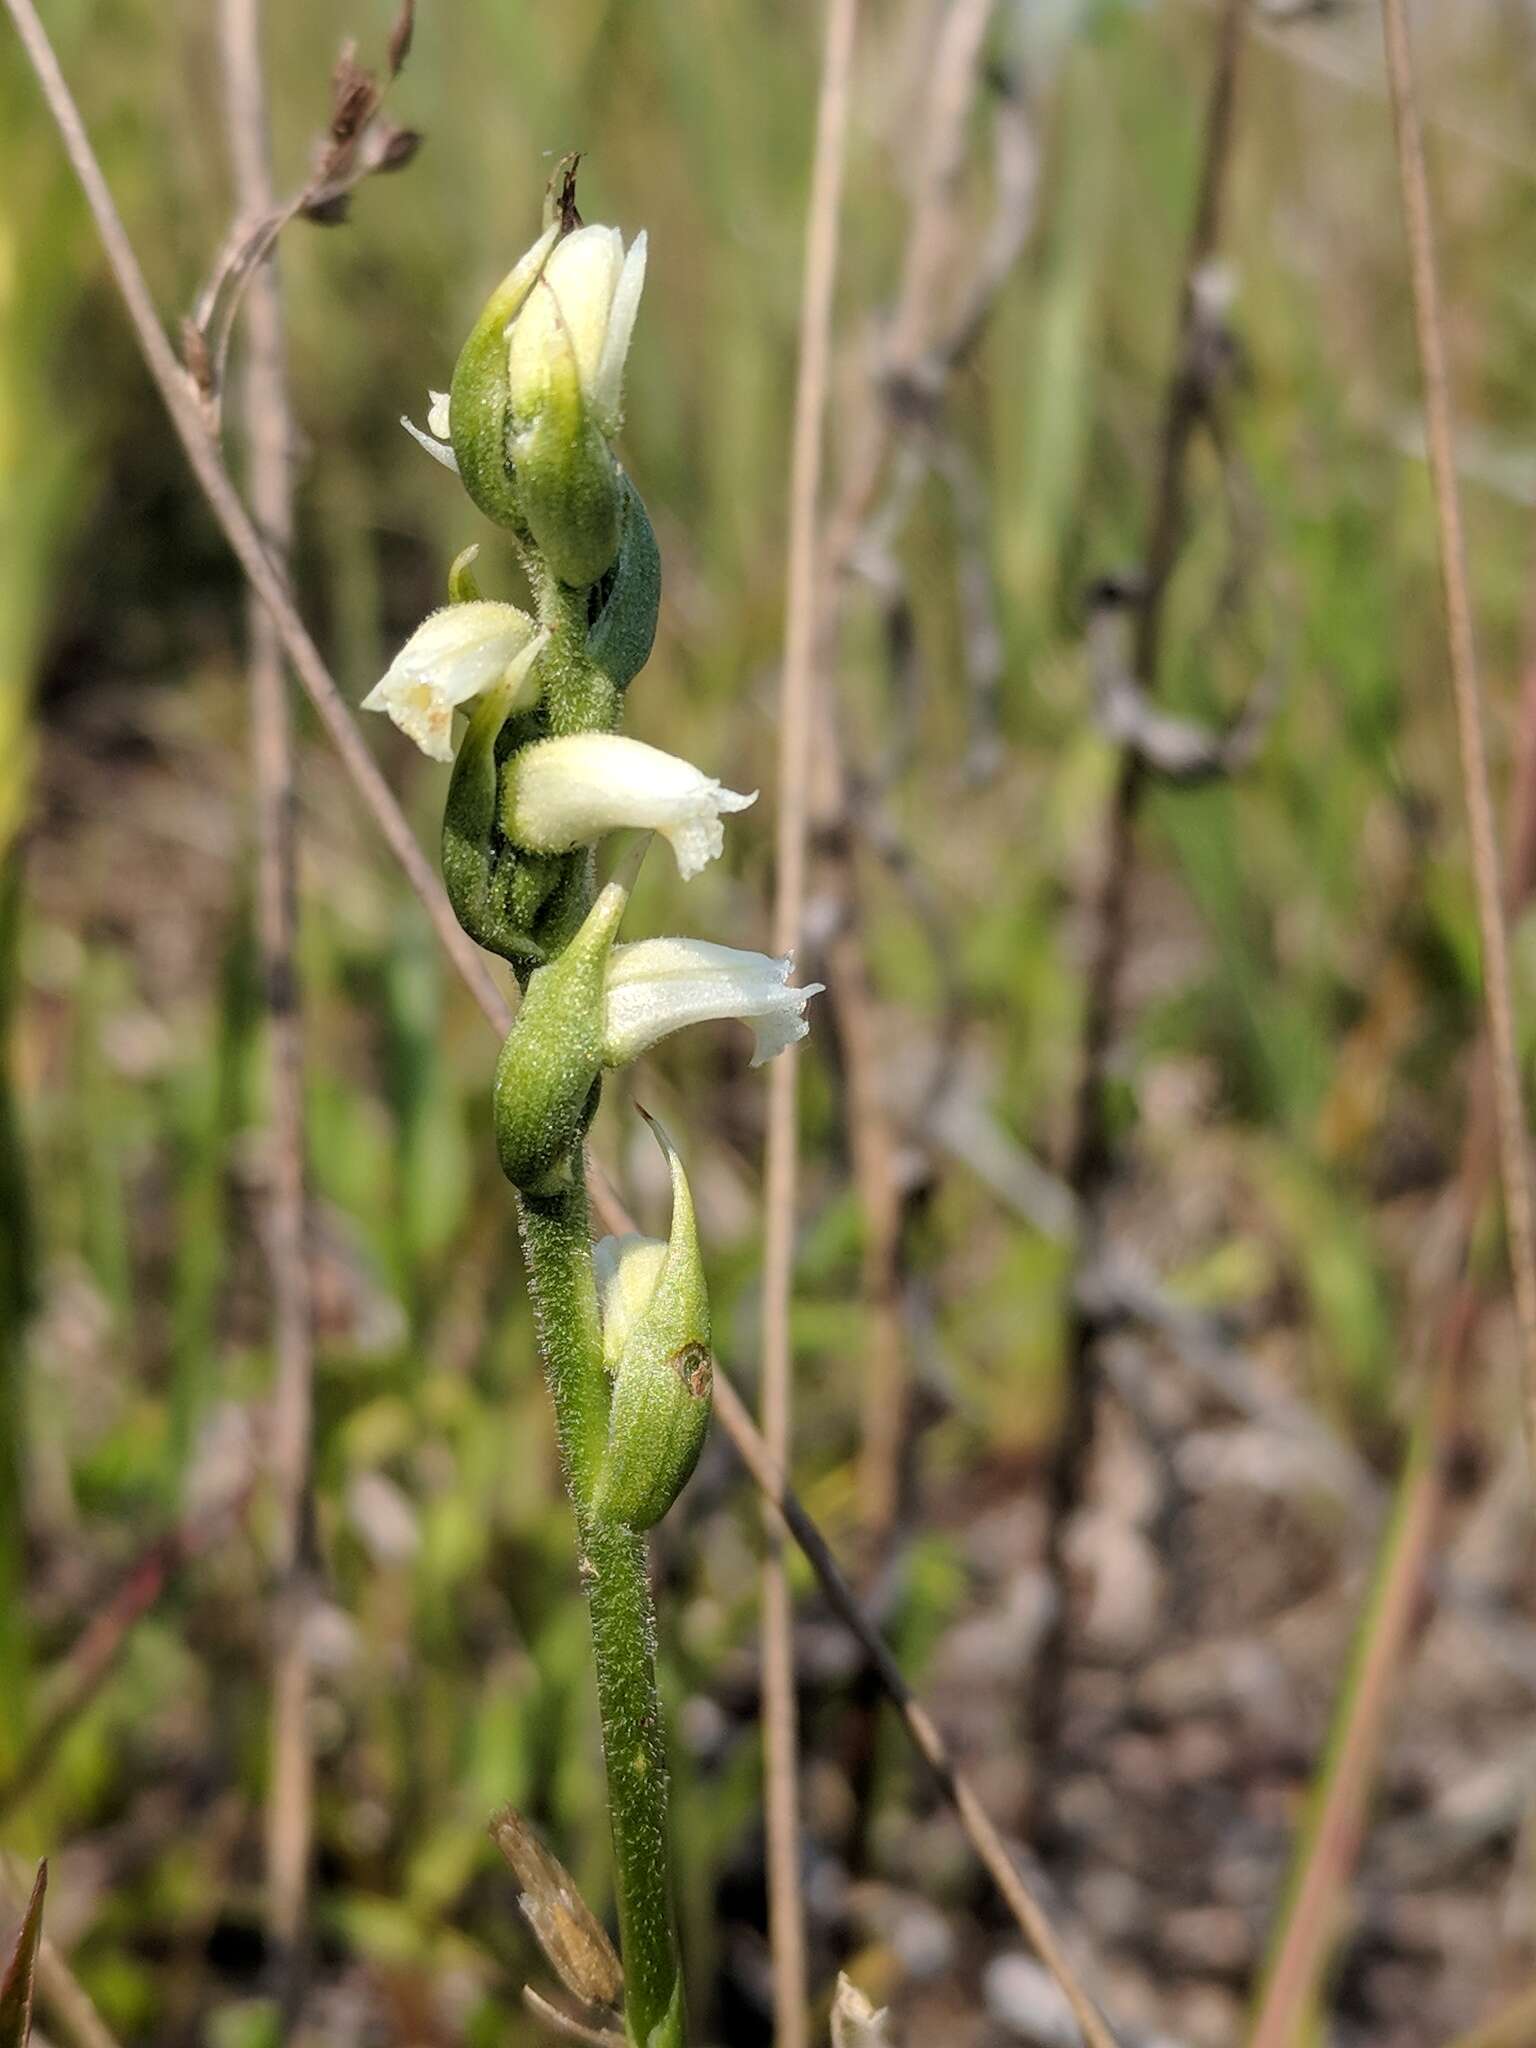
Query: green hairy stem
x,y
557,1245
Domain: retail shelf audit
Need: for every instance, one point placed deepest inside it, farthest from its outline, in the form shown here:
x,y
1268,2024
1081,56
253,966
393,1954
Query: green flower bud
x,y
655,1311
477,405
547,1078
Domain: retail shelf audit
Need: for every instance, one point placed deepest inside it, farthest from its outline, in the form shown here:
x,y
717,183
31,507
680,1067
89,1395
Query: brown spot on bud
x,y
695,1367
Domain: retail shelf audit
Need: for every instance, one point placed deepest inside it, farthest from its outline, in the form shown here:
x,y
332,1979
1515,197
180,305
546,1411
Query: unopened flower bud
x,y
586,300
455,655
477,409
547,1077
655,1311
656,986
566,348
568,791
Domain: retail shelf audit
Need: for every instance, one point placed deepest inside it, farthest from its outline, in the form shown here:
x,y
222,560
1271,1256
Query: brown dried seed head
x,y
572,1937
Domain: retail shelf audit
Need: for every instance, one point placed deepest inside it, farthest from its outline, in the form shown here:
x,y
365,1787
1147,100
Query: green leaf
x,y
16,1985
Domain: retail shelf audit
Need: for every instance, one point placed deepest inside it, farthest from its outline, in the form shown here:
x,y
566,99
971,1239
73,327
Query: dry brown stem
x,y
786,1925
268,435
1495,1134
1513,1145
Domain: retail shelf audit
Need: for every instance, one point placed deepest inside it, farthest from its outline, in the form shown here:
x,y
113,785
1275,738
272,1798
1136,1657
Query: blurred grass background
x,y
1303,984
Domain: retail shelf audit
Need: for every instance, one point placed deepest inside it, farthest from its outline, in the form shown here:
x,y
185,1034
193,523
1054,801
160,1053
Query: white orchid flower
x,y
584,301
436,439
656,986
453,656
564,792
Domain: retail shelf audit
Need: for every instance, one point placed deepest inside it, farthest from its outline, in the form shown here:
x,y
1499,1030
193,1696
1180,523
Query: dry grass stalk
x,y
1495,1132
268,434
781,1171
1514,1152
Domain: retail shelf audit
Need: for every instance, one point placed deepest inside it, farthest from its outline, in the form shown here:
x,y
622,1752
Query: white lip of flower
x,y
565,792
655,986
585,299
454,655
435,440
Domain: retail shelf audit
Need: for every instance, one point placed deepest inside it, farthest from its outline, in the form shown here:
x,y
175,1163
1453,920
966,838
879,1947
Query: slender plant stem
x,y
613,1568
786,1924
1331,1841
357,762
558,1249
1514,1156
268,444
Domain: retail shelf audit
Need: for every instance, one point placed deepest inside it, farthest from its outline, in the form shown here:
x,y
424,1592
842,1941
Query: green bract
x,y
547,1078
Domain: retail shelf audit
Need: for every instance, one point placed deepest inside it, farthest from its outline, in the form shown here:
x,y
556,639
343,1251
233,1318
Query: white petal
x,y
608,387
567,308
451,657
437,415
627,1269
655,986
438,450
568,791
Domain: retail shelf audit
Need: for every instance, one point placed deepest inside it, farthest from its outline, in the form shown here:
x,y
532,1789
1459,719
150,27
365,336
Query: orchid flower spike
x,y
656,986
563,792
452,657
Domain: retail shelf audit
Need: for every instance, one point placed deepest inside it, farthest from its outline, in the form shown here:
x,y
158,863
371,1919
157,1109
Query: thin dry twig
x,y
358,143
240,530
1088,1160
900,438
985,1837
301,651
1514,1156
786,1926
1171,749
268,433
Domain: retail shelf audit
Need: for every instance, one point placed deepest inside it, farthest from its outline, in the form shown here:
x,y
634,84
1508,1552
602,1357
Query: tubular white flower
x,y
565,792
656,986
454,655
585,301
